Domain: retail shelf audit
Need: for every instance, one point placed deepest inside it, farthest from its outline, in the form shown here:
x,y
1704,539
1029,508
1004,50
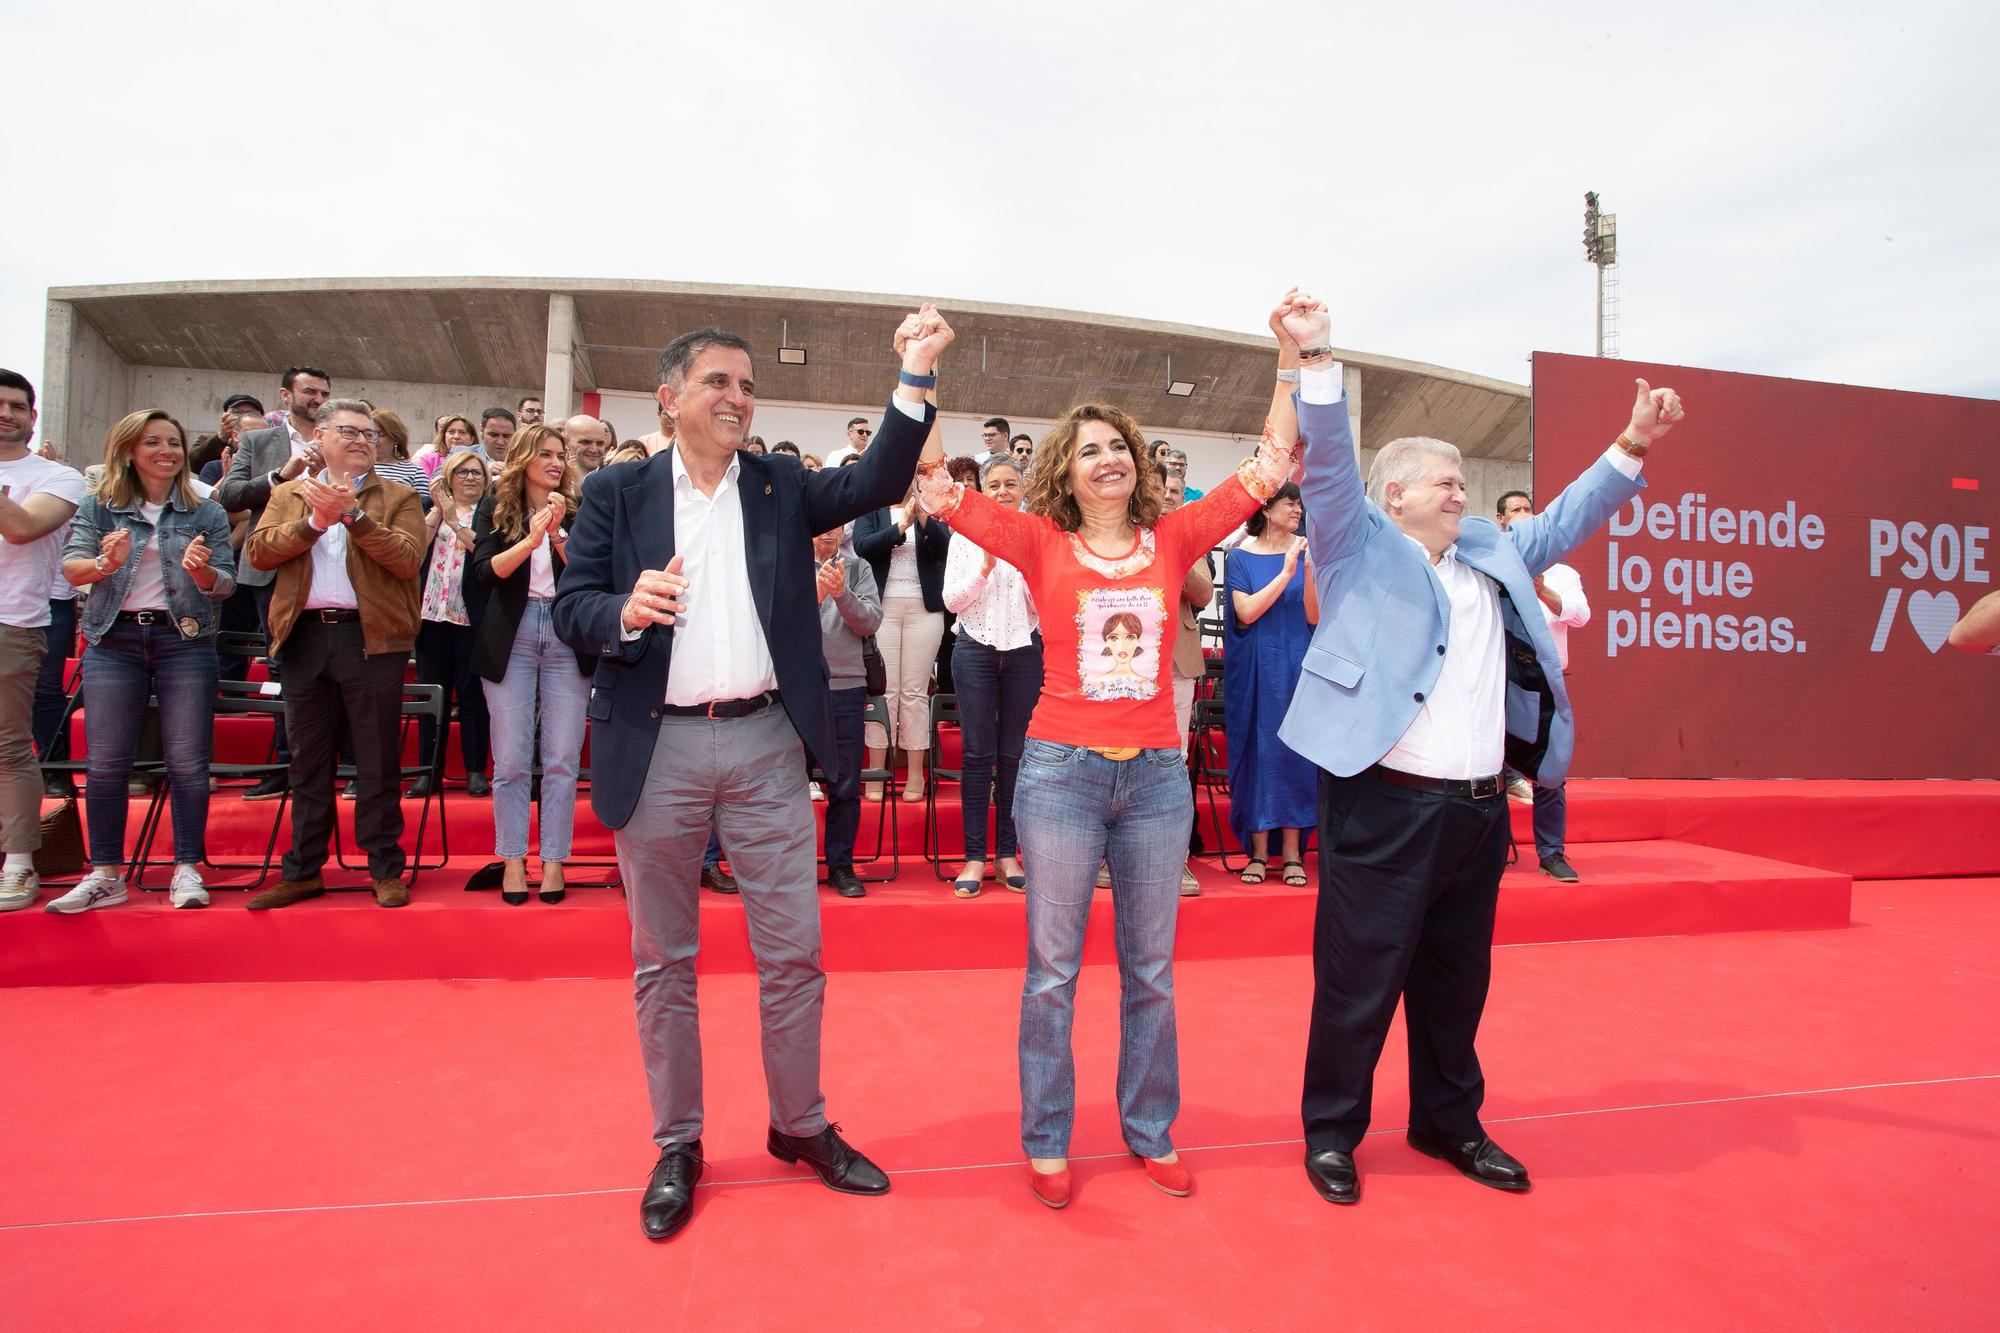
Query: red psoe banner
x,y
1775,604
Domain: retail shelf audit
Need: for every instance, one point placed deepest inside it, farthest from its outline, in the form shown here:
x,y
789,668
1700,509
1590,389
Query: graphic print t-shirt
x,y
1108,617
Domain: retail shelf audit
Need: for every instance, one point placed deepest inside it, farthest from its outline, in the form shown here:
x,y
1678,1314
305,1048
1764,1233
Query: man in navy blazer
x,y
691,577
1423,679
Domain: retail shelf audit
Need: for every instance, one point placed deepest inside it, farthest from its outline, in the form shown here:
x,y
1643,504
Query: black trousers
x,y
444,657
330,681
261,593
1407,886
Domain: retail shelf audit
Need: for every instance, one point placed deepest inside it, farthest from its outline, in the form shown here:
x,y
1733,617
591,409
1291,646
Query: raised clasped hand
x,y
658,598
921,339
1654,412
1302,320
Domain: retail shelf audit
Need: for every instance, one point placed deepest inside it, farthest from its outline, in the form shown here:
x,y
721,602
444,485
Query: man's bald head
x,y
588,439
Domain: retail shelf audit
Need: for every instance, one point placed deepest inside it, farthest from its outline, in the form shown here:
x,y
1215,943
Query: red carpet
x,y
1734,1131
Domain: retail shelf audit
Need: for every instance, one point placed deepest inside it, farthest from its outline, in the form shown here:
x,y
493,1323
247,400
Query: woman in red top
x,y
1102,777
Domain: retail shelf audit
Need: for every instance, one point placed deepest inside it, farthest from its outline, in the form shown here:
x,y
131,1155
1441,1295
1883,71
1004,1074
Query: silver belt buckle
x,y
1482,788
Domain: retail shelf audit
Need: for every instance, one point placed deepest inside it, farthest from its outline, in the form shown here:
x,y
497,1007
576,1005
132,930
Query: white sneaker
x,y
18,889
187,889
813,791
97,890
1190,886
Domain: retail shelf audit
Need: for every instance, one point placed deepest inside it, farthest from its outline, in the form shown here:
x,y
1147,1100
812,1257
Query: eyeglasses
x,y
471,472
989,434
352,433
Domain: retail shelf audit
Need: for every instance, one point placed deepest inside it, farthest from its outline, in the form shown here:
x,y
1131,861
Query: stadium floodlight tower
x,y
1600,247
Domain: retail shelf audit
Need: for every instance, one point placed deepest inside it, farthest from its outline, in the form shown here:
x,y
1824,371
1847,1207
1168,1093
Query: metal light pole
x,y
1600,247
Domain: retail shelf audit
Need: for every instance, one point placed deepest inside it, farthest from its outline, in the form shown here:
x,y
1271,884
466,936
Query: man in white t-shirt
x,y
37,497
1565,608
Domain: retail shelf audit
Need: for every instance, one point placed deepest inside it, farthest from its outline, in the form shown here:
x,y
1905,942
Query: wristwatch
x,y
350,516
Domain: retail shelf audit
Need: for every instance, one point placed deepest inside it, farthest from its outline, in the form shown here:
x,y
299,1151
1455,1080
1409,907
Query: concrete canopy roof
x,y
1008,360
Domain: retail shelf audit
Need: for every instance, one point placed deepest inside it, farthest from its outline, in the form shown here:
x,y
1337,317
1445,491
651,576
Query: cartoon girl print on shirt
x,y
1118,642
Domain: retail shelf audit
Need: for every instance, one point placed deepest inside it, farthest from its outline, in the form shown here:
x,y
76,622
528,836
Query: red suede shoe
x,y
1169,1177
1050,1187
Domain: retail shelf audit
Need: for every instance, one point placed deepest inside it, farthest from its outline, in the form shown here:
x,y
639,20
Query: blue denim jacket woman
x,y
179,523
154,580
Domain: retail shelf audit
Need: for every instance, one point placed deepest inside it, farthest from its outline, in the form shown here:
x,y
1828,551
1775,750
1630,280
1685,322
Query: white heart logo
x,y
1932,616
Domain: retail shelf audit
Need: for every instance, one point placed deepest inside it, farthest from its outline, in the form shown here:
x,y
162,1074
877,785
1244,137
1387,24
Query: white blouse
x,y
994,608
902,579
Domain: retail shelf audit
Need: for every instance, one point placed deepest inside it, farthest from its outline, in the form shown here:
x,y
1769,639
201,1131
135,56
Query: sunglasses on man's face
x,y
862,431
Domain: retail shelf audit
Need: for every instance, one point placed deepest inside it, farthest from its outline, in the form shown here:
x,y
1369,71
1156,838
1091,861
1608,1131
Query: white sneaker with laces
x,y
18,889
813,791
187,888
97,890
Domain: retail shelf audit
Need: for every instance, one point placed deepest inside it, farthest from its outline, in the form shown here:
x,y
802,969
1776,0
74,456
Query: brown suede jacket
x,y
385,551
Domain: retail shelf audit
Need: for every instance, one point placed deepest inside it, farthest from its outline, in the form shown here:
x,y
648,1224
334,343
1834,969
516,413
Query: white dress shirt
x,y
1460,732
994,609
1567,585
719,647
331,589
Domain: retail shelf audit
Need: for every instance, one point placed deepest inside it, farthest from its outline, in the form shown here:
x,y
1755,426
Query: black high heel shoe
x,y
513,899
552,895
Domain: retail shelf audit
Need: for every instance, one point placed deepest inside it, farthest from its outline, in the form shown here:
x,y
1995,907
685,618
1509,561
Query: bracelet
x,y
1314,353
1289,376
917,381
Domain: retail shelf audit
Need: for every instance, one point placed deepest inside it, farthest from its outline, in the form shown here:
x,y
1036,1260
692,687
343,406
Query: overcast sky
x,y
1810,190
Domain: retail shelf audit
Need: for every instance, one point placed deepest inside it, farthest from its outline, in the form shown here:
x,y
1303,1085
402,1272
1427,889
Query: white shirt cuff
x,y
1321,384
627,635
1624,462
914,411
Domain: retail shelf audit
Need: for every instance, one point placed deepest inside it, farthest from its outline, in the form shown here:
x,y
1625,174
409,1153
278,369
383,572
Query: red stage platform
x,y
1657,858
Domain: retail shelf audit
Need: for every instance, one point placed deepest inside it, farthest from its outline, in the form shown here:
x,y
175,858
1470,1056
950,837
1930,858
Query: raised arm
x,y
1335,500
1587,503
908,435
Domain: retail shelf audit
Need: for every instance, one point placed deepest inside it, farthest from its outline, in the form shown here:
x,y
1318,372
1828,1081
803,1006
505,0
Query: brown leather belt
x,y
1479,789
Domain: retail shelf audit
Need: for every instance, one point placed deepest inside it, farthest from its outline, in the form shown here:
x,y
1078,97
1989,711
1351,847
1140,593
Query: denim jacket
x,y
188,604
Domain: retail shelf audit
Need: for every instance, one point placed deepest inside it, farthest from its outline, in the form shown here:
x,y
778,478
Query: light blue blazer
x,y
1385,619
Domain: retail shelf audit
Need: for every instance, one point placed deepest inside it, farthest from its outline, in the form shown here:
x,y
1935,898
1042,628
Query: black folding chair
x,y
250,699
944,712
877,712
153,770
1211,768
419,702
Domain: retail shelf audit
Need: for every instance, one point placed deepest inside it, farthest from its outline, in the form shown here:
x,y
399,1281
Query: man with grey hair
x,y
588,439
344,547
691,577
1431,668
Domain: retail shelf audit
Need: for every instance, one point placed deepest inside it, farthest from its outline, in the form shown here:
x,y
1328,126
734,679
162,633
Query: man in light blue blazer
x,y
1423,680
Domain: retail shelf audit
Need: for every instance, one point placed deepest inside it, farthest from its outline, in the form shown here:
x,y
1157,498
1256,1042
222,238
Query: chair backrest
x,y
247,698
877,712
240,643
944,708
1207,722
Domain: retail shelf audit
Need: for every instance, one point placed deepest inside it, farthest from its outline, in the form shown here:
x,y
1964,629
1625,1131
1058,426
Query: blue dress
x,y
1270,786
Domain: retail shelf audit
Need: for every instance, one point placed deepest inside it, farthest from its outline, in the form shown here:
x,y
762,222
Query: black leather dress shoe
x,y
718,879
1558,868
1481,1160
843,881
836,1164
669,1199
1333,1175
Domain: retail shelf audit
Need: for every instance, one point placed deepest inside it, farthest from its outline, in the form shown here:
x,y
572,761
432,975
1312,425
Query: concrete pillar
x,y
1350,381
559,385
86,386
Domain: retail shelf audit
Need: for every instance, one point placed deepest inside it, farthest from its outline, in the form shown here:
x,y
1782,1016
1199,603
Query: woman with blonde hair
x,y
454,432
448,617
1102,774
157,550
522,532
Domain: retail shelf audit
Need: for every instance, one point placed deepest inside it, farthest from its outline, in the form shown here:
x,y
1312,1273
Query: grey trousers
x,y
748,775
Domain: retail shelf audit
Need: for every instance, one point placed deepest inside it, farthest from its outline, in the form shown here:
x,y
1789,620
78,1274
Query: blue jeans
x,y
996,696
51,735
1076,808
843,793
540,668
121,671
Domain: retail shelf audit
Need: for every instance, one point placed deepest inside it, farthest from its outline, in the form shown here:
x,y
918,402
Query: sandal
x,y
1253,872
1297,881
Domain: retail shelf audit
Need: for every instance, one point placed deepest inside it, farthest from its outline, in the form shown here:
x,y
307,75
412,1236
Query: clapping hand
x,y
1293,550
115,549
195,559
1654,413
306,460
538,526
657,599
327,503
832,578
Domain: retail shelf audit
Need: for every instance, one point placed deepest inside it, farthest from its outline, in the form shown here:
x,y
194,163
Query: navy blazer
x,y
625,525
876,534
1385,618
